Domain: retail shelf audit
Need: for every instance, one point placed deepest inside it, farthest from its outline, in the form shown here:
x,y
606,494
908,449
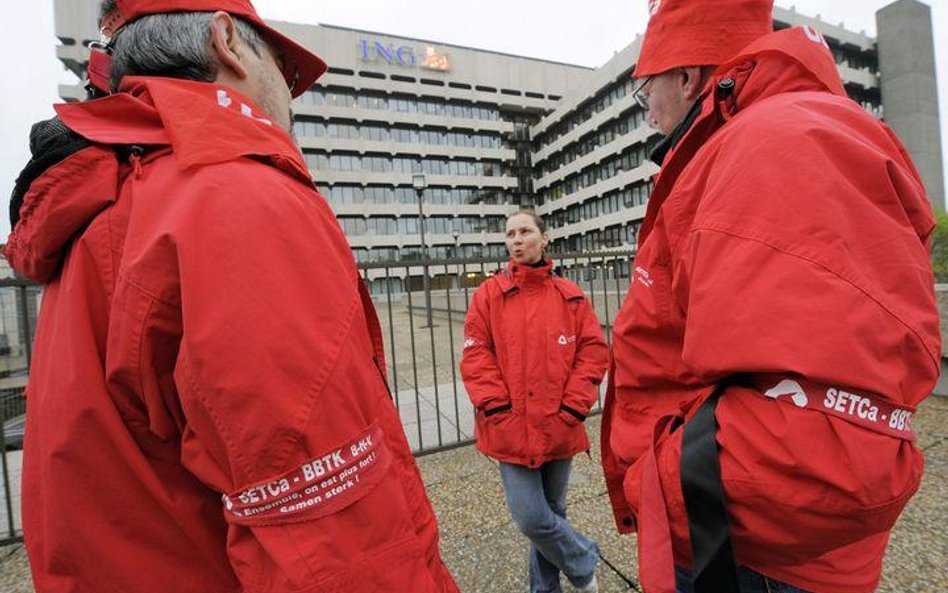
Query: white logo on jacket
x,y
470,342
224,100
791,388
642,275
815,36
564,340
851,404
653,7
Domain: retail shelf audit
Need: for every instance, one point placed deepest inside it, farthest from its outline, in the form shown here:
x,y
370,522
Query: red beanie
x,y
700,32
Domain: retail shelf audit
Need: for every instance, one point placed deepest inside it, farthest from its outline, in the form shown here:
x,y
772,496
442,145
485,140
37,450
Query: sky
x,y
548,29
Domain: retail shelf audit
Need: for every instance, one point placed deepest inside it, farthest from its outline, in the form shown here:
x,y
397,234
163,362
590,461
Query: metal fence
x,y
424,334
19,306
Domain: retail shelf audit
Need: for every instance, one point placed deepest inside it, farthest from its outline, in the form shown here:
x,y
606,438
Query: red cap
x,y
700,32
301,67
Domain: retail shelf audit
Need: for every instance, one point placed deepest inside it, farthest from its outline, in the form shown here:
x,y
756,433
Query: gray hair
x,y
173,45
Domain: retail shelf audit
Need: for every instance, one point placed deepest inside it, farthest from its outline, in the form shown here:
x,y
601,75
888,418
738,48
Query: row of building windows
x,y
376,194
399,103
613,202
401,134
625,123
868,99
405,165
594,273
413,253
595,105
616,236
613,237
435,82
436,225
854,60
629,159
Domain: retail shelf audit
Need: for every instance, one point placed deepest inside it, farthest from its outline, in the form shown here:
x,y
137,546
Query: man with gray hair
x,y
208,409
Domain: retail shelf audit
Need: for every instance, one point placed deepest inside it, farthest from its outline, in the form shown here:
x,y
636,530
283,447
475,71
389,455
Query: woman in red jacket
x,y
534,355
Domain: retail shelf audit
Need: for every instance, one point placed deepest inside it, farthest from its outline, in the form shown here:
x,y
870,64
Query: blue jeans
x,y
749,581
537,502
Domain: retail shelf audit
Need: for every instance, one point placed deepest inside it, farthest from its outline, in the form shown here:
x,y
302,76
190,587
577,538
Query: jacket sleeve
x,y
479,369
279,387
589,364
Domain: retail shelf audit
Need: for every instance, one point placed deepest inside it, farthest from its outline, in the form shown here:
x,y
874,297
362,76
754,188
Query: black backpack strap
x,y
714,569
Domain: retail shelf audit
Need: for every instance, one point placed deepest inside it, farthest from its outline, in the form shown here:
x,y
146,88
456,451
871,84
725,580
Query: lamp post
x,y
457,255
420,184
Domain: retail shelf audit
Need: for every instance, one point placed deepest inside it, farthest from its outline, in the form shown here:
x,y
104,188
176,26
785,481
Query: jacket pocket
x,y
810,482
501,436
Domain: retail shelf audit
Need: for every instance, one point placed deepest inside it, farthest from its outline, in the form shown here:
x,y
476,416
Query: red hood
x,y
202,123
787,61
791,60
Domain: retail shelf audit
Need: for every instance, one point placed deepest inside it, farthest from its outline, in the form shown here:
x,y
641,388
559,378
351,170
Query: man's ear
x,y
227,44
693,82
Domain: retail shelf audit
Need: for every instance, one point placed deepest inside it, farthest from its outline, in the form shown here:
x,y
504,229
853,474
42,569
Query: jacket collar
x,y
513,278
201,123
669,142
204,123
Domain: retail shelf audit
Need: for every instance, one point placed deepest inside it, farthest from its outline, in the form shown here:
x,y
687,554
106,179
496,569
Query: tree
x,y
940,247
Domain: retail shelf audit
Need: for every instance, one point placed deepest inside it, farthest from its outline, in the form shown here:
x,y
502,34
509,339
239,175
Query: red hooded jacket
x,y
787,241
534,357
206,406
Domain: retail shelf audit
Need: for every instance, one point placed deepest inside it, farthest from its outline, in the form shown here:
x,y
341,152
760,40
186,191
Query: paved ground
x,y
487,555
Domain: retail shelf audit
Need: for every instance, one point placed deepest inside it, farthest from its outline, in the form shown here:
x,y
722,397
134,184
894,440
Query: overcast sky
x,y
586,33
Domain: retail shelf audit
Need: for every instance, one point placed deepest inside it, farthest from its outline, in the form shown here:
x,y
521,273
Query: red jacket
x,y
534,357
787,236
207,410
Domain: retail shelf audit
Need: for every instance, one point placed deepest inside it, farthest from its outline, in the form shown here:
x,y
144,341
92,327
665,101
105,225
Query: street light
x,y
420,184
457,254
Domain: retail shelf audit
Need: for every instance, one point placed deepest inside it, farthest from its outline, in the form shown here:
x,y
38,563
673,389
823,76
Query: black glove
x,y
51,142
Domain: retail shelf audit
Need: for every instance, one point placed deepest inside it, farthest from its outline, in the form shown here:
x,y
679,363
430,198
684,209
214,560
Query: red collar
x,y
204,123
511,279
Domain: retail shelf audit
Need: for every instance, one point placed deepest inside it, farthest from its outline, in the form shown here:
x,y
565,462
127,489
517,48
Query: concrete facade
x,y
909,88
493,132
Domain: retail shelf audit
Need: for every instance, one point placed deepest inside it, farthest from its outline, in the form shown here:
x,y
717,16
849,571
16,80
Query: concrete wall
x,y
909,92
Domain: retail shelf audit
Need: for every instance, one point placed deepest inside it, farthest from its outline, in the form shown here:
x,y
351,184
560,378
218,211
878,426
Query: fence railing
x,y
423,333
19,306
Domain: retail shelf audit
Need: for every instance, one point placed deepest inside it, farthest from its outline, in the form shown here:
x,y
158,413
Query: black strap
x,y
714,569
497,410
573,412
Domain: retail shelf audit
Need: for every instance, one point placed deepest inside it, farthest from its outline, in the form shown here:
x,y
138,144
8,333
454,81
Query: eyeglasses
x,y
641,97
